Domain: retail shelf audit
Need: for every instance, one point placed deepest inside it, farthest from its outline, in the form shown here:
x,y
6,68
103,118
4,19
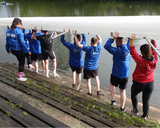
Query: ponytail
x,y
15,22
146,50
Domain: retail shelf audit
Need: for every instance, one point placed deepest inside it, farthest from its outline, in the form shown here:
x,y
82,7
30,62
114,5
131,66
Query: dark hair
x,y
15,22
78,37
119,41
146,51
94,40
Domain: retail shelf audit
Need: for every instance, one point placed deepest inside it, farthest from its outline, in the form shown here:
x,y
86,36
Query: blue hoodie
x,y
15,40
75,59
121,58
25,39
35,45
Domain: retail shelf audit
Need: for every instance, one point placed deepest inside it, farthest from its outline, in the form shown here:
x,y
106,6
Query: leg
x,y
21,63
88,82
146,94
135,89
46,67
54,65
54,68
36,65
43,64
122,97
78,83
112,91
28,59
73,77
97,83
20,57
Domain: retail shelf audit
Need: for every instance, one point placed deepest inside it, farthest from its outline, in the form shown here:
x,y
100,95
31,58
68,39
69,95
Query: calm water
x,y
52,8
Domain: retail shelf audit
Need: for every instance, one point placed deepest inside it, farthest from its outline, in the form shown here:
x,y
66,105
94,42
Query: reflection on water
x,y
31,8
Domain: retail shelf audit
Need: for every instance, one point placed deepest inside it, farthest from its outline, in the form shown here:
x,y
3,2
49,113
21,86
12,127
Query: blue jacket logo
x,y
12,35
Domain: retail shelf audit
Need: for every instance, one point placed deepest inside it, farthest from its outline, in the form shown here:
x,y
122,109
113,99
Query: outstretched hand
x,y
55,33
35,29
115,35
133,36
74,32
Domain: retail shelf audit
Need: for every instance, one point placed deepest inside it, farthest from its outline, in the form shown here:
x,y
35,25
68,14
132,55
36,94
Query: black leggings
x,y
146,89
28,59
20,57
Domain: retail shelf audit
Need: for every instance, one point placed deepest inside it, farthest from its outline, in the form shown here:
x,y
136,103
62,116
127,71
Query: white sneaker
x,y
22,79
31,67
36,72
55,75
47,75
23,74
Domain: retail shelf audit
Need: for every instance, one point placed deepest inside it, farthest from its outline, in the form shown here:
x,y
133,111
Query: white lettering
x,y
94,53
12,35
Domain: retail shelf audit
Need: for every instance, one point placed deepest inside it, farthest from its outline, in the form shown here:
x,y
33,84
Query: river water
x,y
52,8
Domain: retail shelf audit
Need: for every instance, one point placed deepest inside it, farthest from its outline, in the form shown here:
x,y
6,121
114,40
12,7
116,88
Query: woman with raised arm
x,y
143,76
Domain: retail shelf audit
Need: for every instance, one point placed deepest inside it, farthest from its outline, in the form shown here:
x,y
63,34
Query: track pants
x,y
20,57
146,89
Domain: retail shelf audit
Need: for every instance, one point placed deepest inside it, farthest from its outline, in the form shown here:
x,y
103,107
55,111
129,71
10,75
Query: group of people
x,y
143,80
34,46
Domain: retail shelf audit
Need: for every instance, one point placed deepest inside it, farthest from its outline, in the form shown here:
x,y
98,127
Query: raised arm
x,y
99,38
33,34
76,40
64,42
133,36
137,58
108,47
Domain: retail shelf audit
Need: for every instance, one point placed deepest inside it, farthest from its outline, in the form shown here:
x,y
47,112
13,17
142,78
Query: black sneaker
x,y
89,94
123,109
80,90
113,103
99,93
73,85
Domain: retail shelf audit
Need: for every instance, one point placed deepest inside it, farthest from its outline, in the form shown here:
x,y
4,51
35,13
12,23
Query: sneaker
x,y
80,90
99,93
89,94
134,111
145,118
23,74
36,72
31,66
55,75
123,109
47,75
113,103
22,79
73,85
43,71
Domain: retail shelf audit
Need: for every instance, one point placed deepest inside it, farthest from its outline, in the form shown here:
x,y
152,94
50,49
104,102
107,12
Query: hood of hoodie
x,y
150,64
